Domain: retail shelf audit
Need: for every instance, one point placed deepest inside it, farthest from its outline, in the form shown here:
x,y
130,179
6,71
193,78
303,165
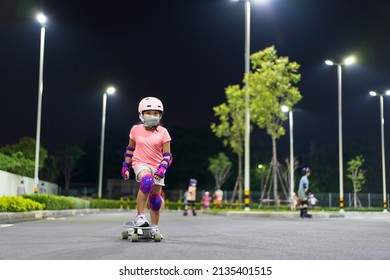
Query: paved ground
x,y
232,236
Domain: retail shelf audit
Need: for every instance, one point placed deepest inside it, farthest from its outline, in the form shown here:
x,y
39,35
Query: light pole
x,y
42,20
110,90
373,93
247,113
347,61
286,109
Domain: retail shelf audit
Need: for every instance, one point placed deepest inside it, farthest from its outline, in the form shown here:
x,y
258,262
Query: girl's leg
x,y
141,201
146,182
155,214
142,196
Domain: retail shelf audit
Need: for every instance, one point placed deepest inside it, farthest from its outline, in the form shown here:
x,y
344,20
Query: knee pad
x,y
147,183
155,201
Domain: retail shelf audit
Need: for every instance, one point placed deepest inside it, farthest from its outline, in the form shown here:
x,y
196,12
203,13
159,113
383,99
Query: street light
x,y
347,61
373,93
110,90
286,109
41,18
247,113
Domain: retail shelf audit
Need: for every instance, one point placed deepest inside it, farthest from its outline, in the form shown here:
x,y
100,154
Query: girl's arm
x,y
128,158
166,161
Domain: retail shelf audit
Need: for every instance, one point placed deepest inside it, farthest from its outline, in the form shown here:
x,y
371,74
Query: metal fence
x,y
330,200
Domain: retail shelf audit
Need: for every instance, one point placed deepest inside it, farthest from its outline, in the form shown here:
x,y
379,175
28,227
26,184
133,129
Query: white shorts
x,y
141,167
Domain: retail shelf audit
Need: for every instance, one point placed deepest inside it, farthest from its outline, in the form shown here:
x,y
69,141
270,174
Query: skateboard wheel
x,y
125,235
134,237
157,237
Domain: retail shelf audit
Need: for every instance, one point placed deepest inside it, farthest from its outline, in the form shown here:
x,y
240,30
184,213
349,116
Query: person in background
x,y
206,199
21,189
303,192
42,189
294,201
218,197
191,197
312,201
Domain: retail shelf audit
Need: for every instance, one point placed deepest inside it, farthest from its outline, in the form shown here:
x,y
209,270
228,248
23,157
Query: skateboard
x,y
137,233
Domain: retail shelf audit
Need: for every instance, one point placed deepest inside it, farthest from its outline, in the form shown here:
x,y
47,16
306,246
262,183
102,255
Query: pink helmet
x,y
150,103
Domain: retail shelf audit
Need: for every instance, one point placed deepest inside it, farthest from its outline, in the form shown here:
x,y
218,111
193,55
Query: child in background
x,y
206,199
218,197
191,197
312,201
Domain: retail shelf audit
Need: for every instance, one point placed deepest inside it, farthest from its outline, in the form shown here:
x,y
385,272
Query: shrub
x,y
53,202
105,203
19,204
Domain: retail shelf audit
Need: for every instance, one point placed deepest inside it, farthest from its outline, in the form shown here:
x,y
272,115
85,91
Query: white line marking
x,y
6,225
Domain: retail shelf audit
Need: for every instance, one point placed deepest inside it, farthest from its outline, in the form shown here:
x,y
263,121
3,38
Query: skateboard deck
x,y
137,233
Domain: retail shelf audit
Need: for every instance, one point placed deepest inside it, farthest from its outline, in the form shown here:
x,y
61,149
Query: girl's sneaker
x,y
155,231
141,221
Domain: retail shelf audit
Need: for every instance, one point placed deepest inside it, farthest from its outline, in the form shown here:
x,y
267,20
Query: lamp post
x,y
41,18
347,61
247,113
373,93
286,109
110,90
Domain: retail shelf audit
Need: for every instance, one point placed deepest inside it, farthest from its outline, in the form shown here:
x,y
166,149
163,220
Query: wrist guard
x,y
165,163
125,168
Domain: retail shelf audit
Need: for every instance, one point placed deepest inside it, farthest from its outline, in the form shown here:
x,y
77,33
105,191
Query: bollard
x,y
128,203
179,204
237,206
166,204
121,203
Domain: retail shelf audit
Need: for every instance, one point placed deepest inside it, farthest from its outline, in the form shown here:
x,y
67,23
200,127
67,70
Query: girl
x,y
206,200
149,154
191,197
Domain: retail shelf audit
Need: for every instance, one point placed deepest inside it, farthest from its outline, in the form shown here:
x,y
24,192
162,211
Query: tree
x,y
17,163
232,128
271,84
67,157
50,170
357,175
219,166
20,158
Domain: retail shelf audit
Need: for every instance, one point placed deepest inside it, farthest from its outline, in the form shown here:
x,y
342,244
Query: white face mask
x,y
151,121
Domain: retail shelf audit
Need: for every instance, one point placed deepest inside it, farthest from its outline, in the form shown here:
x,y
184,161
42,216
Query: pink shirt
x,y
148,145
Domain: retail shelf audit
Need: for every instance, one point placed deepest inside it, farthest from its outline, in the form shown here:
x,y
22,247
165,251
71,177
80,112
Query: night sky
x,y
186,52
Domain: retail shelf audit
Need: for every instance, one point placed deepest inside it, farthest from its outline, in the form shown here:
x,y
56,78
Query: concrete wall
x,y
9,184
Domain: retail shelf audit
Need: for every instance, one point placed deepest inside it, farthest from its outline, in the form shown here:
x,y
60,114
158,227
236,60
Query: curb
x,y
15,217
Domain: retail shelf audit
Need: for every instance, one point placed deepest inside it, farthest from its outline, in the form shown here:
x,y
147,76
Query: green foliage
x,y
26,145
232,124
356,173
17,163
20,158
53,202
106,204
271,84
232,119
219,166
18,204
